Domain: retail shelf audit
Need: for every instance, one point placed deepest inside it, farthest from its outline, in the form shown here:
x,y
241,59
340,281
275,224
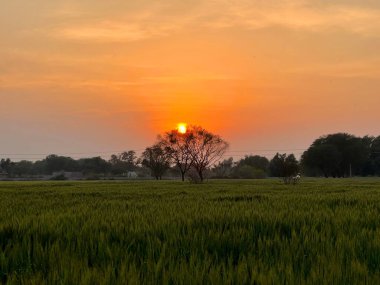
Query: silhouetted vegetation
x,y
124,162
156,160
205,148
342,155
196,150
284,166
177,147
199,151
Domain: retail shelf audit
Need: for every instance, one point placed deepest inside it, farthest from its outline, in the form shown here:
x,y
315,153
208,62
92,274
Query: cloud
x,y
151,21
297,15
139,23
353,69
106,32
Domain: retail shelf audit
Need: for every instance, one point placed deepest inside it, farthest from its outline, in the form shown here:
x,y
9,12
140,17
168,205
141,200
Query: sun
x,y
182,128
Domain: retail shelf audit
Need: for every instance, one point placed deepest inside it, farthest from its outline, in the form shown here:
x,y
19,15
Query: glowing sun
x,y
182,128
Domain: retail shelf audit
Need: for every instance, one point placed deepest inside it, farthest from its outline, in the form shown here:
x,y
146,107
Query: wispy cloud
x,y
352,69
135,24
106,31
157,20
296,15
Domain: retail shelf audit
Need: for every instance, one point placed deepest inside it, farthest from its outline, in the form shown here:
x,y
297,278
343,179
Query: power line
x,y
137,150
267,150
78,155
68,153
299,150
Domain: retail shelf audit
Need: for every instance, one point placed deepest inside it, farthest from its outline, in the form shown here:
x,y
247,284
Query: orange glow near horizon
x,y
182,128
99,76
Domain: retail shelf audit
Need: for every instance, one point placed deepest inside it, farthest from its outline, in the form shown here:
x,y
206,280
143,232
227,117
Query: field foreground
x,y
222,232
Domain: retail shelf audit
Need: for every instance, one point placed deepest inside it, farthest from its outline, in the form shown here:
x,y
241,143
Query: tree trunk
x,y
183,176
200,172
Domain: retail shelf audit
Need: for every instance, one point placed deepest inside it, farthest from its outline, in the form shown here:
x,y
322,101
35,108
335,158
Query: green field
x,y
168,232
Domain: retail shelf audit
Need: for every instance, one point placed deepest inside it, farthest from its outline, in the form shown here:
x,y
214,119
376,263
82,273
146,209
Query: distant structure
x,y
132,174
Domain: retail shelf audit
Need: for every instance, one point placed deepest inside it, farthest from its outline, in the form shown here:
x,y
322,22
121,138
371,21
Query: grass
x,y
222,232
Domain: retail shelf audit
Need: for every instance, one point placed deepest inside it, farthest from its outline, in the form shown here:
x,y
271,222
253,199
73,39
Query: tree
x,y
338,155
324,158
6,165
256,161
375,156
156,159
177,146
126,161
224,168
22,167
93,165
130,160
205,148
60,163
284,166
39,167
245,171
252,166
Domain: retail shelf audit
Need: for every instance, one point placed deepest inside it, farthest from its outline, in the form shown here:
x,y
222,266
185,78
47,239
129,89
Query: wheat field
x,y
322,231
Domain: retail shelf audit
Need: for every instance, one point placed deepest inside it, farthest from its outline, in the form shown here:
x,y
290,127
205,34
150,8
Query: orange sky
x,y
91,76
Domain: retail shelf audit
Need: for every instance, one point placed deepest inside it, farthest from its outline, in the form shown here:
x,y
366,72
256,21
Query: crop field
x,y
321,231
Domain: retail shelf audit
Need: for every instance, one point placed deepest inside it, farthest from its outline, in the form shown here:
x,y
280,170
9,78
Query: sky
x,y
91,77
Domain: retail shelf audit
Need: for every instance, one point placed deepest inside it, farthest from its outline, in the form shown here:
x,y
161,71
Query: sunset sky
x,y
89,77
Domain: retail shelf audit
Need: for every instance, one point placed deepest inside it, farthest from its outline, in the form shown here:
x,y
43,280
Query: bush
x,y
259,174
193,176
249,172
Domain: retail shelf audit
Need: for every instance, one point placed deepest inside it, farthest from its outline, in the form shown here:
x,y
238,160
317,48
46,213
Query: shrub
x,y
193,176
249,172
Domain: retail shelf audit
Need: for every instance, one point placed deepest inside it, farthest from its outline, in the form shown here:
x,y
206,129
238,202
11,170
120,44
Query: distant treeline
x,y
117,165
335,155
